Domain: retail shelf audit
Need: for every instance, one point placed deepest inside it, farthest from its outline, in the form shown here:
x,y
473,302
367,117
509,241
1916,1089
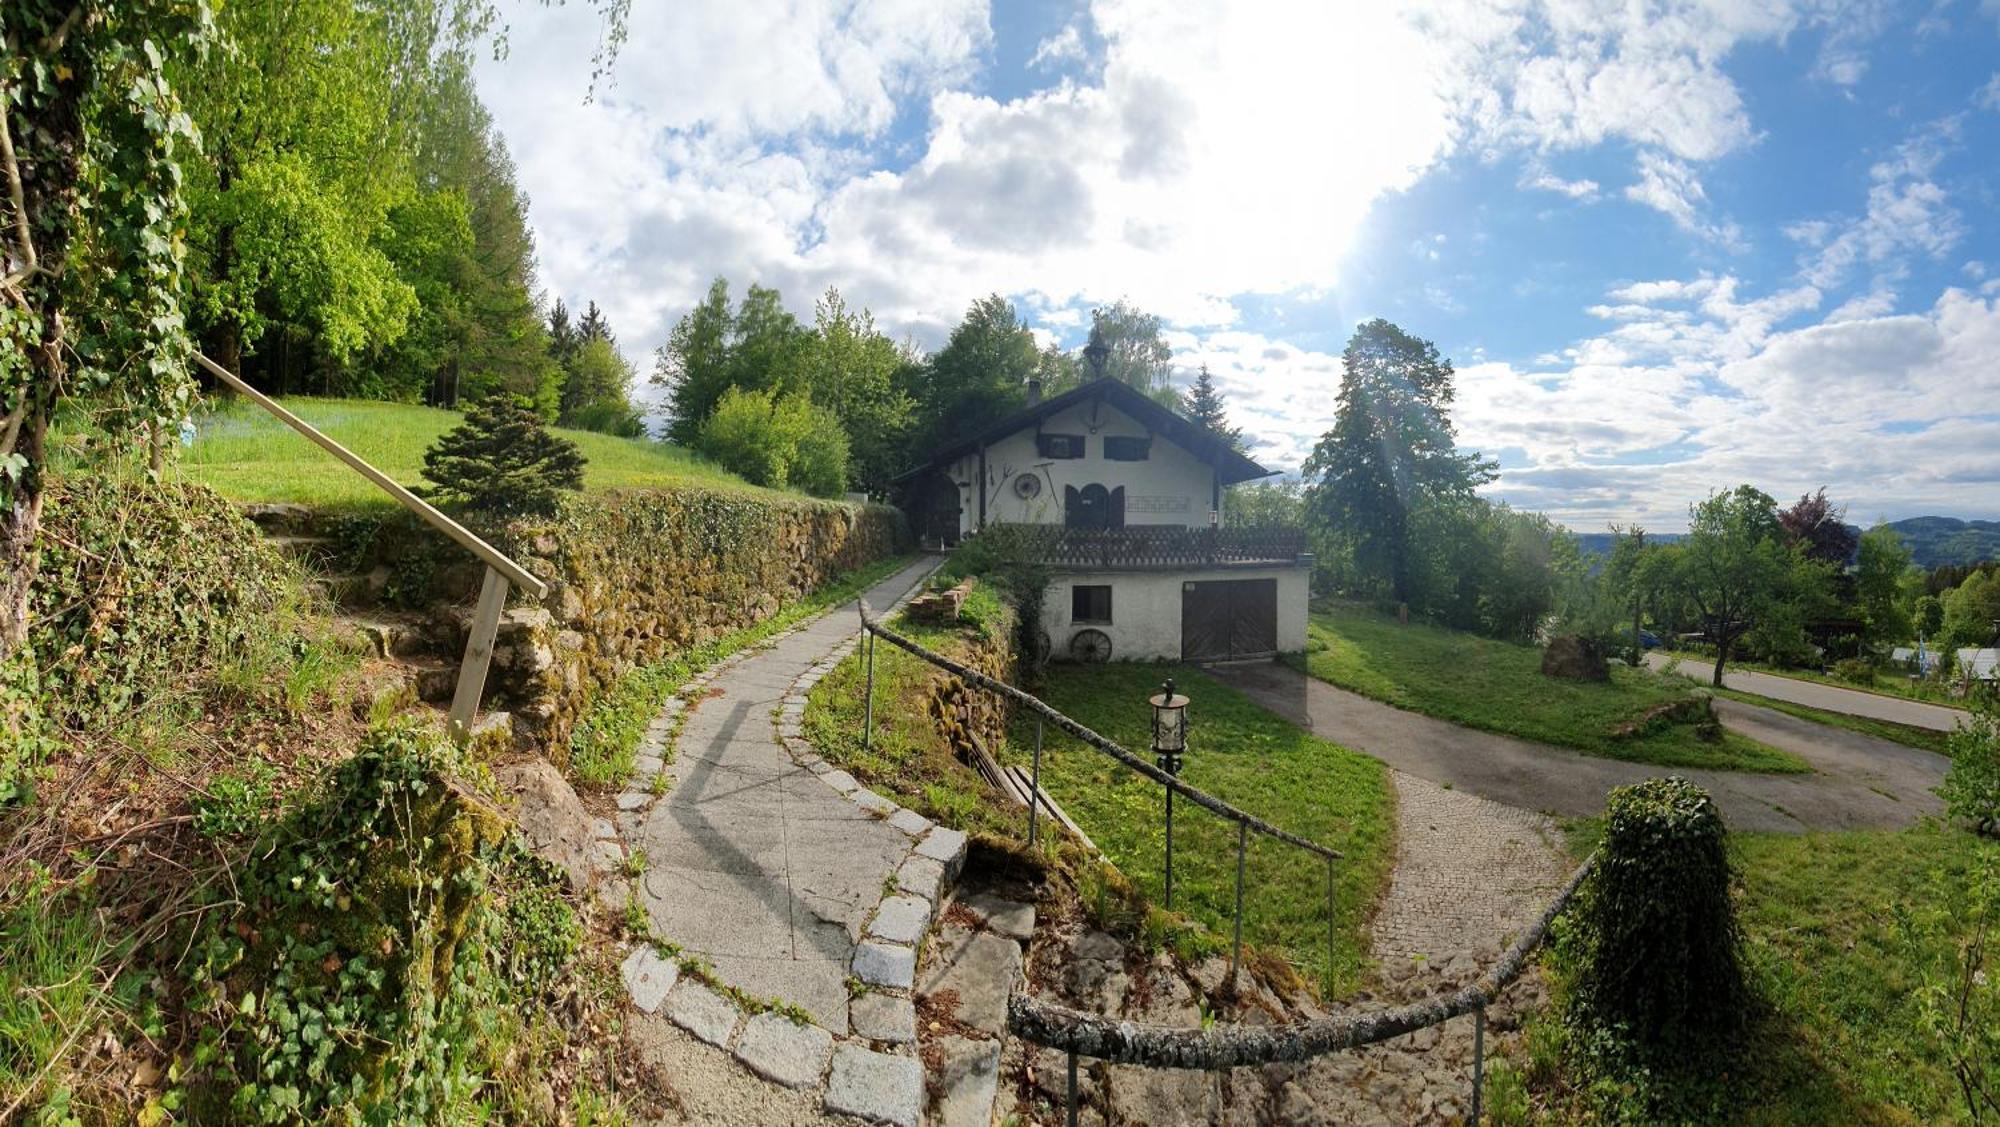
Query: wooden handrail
x,y
487,553
500,570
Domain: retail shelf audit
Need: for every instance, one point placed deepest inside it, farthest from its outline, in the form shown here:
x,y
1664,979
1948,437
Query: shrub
x,y
501,462
610,418
1971,789
1656,967
1854,671
777,441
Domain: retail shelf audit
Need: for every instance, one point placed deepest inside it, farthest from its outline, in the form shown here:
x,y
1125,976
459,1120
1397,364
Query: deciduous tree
x,y
1883,563
1135,351
1732,564
1391,453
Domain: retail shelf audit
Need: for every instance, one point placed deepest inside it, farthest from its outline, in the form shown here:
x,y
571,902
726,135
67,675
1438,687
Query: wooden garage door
x,y
1229,618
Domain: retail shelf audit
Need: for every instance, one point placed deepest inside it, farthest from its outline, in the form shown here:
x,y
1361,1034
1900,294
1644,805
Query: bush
x,y
1657,975
1855,671
501,462
610,418
1971,788
777,441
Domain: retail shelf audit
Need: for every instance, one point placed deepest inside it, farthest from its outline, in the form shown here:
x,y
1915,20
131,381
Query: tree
x,y
1929,616
1631,576
777,440
595,391
593,325
851,371
1205,406
1819,528
694,364
1391,453
1883,562
1971,612
1133,351
92,136
1265,504
564,340
501,462
980,374
1732,564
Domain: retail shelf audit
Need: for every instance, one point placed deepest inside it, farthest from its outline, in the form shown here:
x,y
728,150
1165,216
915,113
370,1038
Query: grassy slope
x,y
1882,683
1498,687
250,456
1839,1041
1825,950
1247,756
1926,739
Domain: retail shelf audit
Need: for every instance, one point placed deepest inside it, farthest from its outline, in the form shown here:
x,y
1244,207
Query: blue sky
x,y
1670,246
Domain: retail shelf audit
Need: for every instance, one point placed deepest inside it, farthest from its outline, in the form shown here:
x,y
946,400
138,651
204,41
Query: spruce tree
x,y
1205,406
501,462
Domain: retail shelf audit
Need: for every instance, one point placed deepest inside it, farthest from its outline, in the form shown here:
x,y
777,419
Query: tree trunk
x,y
1638,647
20,526
1721,655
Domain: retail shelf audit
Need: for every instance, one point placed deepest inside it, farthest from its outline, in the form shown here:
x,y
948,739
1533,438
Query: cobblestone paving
x,y
1467,870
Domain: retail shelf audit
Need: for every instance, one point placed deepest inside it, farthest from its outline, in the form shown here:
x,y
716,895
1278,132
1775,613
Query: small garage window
x,y
1124,448
1090,603
1059,445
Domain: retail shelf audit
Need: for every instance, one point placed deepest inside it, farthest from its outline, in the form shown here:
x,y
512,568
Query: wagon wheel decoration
x,y
1027,487
1090,645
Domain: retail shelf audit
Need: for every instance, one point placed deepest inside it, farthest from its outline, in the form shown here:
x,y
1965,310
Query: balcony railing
x,y
1150,546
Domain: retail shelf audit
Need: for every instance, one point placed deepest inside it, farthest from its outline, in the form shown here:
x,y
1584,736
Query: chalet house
x,y
1122,499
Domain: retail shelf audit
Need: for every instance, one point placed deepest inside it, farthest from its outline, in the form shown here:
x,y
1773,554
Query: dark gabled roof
x,y
1198,440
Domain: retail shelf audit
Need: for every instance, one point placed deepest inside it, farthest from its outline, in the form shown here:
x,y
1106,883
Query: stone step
x,y
310,549
390,635
352,589
281,518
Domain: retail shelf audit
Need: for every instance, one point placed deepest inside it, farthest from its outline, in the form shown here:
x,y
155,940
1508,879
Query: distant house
x,y
1122,498
1979,664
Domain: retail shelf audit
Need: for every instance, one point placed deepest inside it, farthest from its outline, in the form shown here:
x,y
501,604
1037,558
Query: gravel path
x,y
1832,698
1858,782
1467,870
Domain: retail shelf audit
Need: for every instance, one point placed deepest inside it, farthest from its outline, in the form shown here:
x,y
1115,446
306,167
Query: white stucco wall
x,y
1171,486
1146,609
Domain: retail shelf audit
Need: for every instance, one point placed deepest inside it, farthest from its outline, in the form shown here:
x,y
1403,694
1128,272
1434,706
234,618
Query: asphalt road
x,y
1858,782
1832,698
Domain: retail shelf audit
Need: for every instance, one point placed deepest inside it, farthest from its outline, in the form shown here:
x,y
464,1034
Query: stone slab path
x,y
782,880
1467,870
1832,698
1858,782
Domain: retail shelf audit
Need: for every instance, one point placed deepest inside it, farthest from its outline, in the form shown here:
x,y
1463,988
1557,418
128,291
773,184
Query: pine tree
x,y
1205,406
564,339
593,325
502,463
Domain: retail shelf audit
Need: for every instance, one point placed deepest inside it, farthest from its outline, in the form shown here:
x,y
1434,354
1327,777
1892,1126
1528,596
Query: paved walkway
x,y
1832,698
1467,870
754,863
1859,782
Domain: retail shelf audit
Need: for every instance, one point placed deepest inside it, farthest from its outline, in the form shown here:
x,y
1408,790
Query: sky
x,y
1669,246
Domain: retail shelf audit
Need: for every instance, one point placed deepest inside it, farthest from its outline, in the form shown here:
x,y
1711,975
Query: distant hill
x,y
1933,541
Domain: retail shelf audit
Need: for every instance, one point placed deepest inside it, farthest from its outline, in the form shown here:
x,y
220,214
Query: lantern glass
x,y
1169,721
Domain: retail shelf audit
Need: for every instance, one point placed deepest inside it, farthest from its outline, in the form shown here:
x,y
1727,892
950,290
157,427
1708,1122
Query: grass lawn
x,y
1840,1039
909,757
1882,683
1824,947
1498,687
249,455
1246,756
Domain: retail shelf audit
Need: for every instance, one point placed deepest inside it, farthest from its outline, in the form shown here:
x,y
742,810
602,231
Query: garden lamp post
x,y
1169,745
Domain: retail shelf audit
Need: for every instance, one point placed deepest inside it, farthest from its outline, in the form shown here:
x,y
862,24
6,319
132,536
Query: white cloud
x,y
1671,187
1988,97
1538,177
1065,46
1907,213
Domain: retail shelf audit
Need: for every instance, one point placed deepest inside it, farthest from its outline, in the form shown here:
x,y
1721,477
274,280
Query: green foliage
x,y
1929,617
757,347
1004,556
1737,569
1970,610
146,589
979,375
1880,568
1264,504
502,463
1391,455
1657,979
594,391
382,925
52,948
1971,789
1205,405
778,441
1947,941
850,369
1135,351
237,802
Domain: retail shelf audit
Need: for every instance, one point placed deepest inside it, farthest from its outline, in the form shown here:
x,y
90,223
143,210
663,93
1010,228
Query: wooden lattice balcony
x,y
1151,546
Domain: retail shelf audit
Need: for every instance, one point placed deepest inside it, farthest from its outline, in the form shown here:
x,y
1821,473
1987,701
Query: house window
x,y
1090,603
1121,448
1059,445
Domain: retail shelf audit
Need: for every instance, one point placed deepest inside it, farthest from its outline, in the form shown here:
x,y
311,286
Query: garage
x,y
1225,619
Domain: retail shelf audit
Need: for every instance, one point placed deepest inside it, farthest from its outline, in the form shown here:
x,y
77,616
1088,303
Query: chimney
x,y
1034,390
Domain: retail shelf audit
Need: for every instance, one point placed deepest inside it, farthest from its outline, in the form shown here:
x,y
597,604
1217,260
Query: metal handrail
x,y
1102,743
500,570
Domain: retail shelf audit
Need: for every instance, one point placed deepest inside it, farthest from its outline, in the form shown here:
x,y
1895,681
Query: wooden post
x,y
1072,1090
1236,951
1478,1060
868,697
1035,786
478,654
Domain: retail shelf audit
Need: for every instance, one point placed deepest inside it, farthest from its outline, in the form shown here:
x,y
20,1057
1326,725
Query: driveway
x,y
1831,698
1858,782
